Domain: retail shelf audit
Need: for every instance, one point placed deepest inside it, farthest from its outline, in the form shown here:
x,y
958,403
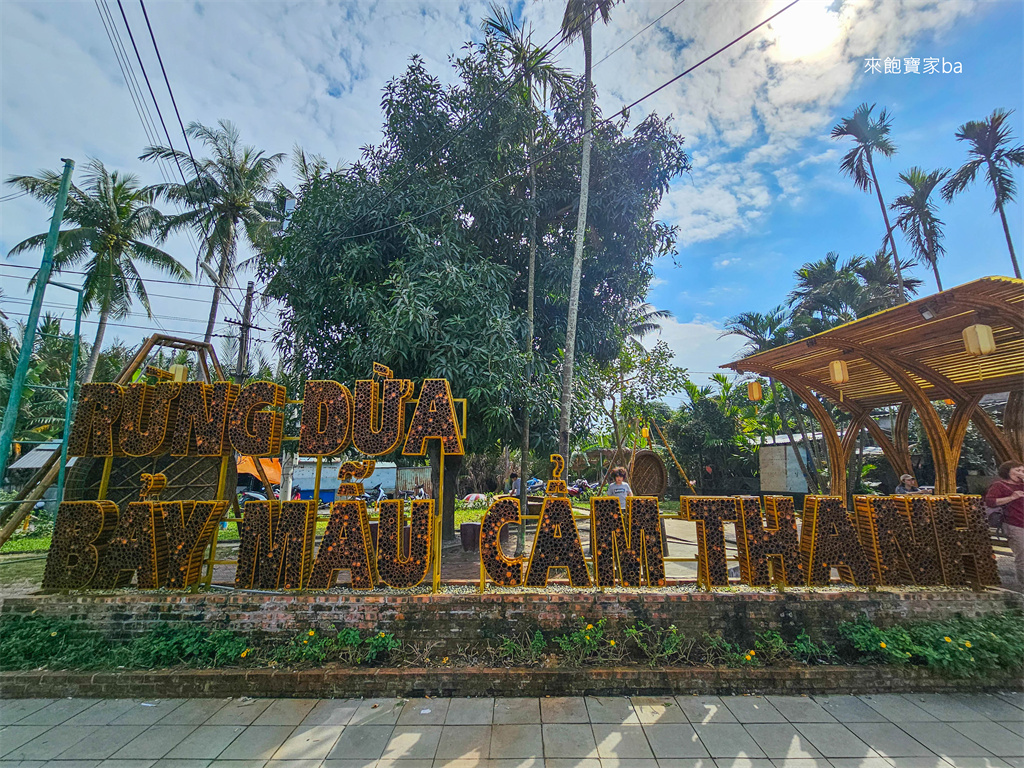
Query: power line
x,y
634,37
148,280
569,142
153,316
127,325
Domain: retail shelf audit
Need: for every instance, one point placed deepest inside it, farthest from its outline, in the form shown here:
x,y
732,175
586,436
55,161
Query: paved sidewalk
x,y
878,731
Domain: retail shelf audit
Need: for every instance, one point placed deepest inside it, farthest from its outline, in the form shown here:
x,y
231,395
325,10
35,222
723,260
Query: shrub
x,y
658,646
522,650
27,642
168,645
584,644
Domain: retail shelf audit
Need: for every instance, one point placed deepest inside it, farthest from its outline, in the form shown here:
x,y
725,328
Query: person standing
x,y
1008,492
515,484
907,485
619,488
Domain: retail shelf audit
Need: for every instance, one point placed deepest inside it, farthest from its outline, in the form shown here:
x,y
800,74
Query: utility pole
x,y
243,339
29,339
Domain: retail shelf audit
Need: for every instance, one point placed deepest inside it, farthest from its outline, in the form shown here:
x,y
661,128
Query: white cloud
x,y
699,346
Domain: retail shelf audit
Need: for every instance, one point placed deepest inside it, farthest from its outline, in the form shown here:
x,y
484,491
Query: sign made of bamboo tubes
x,y
434,417
629,543
828,540
145,414
964,544
92,433
710,513
80,538
189,527
898,538
201,425
254,430
557,545
771,538
502,570
275,550
396,568
326,425
379,414
346,546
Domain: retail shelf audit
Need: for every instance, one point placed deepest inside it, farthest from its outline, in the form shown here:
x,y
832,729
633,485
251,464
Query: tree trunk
x,y
1009,242
888,229
94,353
933,257
565,415
810,471
222,276
524,463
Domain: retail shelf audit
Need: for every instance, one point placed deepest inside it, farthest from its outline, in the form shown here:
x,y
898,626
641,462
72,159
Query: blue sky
x,y
765,194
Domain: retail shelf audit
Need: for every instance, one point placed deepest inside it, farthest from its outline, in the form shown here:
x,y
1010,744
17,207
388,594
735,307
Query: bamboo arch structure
x,y
911,356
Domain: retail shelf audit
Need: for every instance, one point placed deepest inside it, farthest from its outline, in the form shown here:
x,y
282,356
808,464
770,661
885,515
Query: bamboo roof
x,y
922,339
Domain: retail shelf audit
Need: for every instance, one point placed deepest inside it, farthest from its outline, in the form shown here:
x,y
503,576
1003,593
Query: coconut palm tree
x,y
988,141
113,217
228,195
538,77
871,136
917,216
578,21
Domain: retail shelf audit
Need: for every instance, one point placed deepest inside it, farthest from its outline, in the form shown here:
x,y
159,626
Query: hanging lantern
x,y
949,401
754,390
645,433
838,372
978,340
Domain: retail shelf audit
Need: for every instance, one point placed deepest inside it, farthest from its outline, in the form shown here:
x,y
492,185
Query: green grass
x,y
41,544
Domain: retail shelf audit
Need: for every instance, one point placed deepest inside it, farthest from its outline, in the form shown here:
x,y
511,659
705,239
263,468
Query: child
x,y
619,488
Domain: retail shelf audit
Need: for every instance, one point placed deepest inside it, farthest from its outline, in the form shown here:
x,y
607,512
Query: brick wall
x,y
454,620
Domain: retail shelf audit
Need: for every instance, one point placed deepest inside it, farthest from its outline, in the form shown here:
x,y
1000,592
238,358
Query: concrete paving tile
x,y
568,740
743,762
357,763
991,706
193,712
674,740
138,764
154,742
412,742
1014,762
753,709
424,712
621,741
13,710
810,762
1013,697
241,711
294,763
13,736
378,712
515,762
977,762
611,709
206,742
516,740
73,763
170,763
516,711
934,761
780,740
331,712
102,742
859,762
943,740
309,742
58,712
728,740
257,742
690,762
888,740
470,711
895,708
101,713
466,742
657,709
457,762
236,764
943,707
147,711
361,742
572,762
705,709
285,712
800,709
48,744
414,763
564,709
22,763
849,709
835,740
632,762
997,739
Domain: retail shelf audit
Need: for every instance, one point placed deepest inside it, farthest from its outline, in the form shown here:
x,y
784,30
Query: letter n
x,y
964,543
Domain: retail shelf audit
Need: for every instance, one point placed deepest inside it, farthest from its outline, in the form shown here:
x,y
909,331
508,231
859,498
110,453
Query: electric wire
x,y
634,37
127,325
569,142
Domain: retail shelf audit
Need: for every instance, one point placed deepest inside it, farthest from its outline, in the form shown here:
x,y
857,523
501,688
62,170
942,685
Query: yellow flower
x,y
381,634
947,639
747,657
590,626
967,643
444,660
611,642
305,642
881,645
53,634
311,633
586,637
753,653
245,653
427,661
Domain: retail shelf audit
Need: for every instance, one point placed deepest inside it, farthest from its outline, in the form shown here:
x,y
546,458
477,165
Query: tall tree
x,y
226,195
578,21
113,217
916,216
871,136
988,142
537,75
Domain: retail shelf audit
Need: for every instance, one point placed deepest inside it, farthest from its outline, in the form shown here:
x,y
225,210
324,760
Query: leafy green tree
x,y
417,254
227,196
871,136
578,21
916,216
988,148
113,217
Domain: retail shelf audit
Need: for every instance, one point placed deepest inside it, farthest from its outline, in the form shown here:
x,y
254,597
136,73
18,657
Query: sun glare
x,y
807,31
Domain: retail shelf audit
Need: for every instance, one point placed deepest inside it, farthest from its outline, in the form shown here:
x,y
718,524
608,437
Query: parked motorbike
x,y
534,486
580,488
374,495
246,496
419,493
